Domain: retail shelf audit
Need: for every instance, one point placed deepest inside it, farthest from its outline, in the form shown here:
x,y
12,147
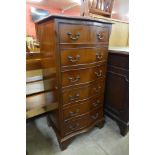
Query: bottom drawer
x,y
78,109
83,121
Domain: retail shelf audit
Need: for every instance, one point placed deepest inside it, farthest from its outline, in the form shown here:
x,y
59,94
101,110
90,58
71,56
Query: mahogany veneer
x,y
76,48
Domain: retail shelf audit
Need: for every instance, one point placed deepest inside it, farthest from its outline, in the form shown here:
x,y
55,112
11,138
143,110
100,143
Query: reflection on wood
x,y
40,86
34,75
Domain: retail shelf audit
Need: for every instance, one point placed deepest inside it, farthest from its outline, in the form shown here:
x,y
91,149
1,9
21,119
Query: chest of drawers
x,y
76,49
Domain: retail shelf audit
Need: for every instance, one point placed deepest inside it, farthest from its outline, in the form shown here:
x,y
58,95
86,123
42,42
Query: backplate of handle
x,y
95,104
71,113
73,37
74,79
76,97
99,56
73,127
97,89
94,117
100,36
70,58
99,74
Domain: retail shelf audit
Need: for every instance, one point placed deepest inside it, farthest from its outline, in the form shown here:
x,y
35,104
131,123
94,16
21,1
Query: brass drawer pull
x,y
70,58
99,74
100,36
99,56
76,79
71,113
95,116
76,97
73,127
95,104
97,89
71,36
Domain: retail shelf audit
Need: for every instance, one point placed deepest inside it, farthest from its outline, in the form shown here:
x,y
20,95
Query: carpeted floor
x,y
41,140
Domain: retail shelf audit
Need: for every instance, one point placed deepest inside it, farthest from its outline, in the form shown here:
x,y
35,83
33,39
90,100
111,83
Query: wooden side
x,y
119,35
117,90
48,53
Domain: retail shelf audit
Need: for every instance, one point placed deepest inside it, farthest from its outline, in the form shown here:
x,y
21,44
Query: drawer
x,y
118,60
82,76
96,115
82,107
73,95
72,57
70,33
83,121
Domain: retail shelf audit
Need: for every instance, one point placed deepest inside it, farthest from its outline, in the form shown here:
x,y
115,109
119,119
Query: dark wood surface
x,y
117,89
76,85
77,18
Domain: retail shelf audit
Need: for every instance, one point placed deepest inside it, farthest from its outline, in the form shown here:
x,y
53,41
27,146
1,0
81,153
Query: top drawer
x,y
83,33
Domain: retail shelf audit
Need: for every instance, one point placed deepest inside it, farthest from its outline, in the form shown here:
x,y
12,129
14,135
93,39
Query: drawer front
x,y
83,121
74,95
70,33
95,115
118,60
73,57
76,77
82,107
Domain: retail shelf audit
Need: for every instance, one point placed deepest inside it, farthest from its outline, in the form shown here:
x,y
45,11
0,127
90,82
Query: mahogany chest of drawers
x,y
74,59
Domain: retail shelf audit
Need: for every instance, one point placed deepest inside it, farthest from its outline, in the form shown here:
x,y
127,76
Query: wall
x,y
30,26
120,30
120,35
121,10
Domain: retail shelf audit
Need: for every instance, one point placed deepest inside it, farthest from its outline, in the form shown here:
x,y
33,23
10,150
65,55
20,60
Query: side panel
x,y
49,66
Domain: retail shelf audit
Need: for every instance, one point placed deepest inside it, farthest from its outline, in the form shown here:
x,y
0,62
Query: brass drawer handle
x,y
99,74
71,36
99,56
95,116
71,113
76,79
76,97
100,36
70,58
95,104
73,127
97,89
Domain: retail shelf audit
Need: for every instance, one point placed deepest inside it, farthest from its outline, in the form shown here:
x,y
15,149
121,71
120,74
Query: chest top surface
x,y
77,18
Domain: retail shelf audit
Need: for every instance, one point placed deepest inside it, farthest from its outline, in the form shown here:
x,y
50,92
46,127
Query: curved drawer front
x,y
83,121
78,109
74,95
70,33
82,76
73,57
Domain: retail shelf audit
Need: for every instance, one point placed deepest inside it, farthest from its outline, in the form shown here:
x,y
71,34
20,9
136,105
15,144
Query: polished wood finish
x,y
83,33
74,57
81,122
76,49
117,89
82,93
80,108
82,76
